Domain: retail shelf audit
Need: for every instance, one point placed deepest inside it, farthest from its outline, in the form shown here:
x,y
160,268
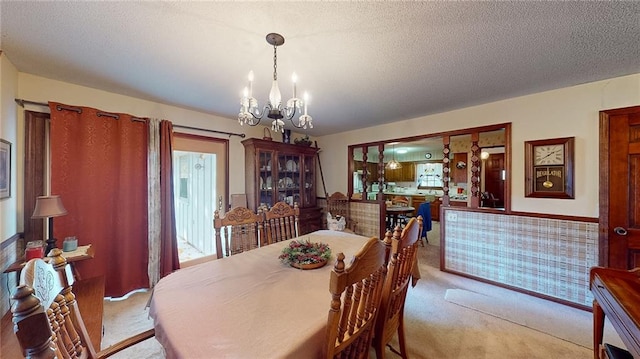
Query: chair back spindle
x,y
281,222
355,298
241,229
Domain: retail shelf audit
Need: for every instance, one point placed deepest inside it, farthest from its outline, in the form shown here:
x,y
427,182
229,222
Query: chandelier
x,y
393,164
251,115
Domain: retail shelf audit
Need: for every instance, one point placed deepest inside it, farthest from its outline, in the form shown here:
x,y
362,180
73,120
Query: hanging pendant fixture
x,y
251,115
393,164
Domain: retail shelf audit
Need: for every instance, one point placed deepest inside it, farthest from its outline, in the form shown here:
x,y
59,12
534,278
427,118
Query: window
x,y
429,175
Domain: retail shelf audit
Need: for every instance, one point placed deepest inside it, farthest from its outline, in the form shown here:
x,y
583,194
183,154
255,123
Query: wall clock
x,y
427,155
549,168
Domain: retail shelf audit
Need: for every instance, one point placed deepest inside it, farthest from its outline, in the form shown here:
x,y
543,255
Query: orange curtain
x,y
169,261
99,169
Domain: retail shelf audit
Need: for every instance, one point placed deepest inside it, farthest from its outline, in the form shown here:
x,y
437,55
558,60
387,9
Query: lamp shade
x,y
48,206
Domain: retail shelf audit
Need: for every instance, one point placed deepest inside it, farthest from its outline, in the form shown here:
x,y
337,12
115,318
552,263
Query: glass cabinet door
x,y
266,182
289,178
309,192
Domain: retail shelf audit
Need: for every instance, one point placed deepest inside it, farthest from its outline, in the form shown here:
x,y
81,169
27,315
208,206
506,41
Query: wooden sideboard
x,y
616,295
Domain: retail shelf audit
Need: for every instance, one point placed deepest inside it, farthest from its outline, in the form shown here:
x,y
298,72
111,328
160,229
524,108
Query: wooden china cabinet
x,y
277,172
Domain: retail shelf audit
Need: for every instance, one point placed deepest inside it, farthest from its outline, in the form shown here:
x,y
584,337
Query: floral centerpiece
x,y
305,255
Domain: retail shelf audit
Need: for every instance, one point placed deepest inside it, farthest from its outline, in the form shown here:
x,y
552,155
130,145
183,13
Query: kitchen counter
x,y
412,193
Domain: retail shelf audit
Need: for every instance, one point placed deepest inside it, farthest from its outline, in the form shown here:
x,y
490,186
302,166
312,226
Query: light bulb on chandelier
x,y
251,115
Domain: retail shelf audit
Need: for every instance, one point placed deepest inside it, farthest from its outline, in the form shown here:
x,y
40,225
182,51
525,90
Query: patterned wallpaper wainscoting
x,y
368,217
9,254
547,256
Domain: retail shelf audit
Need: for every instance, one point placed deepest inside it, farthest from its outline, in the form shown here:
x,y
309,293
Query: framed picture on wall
x,y
5,169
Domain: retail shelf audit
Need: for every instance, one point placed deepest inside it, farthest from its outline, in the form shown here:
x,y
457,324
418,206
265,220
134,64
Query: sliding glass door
x,y
200,188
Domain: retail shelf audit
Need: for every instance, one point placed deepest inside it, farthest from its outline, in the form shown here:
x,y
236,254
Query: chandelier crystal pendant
x,y
251,115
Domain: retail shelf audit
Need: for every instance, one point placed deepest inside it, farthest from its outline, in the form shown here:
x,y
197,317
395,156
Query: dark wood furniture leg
x,y
598,328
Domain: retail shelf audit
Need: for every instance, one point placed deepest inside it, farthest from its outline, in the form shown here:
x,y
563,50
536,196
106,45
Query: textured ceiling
x,y
364,63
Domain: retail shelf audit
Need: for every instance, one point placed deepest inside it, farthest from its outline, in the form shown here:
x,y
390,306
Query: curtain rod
x,y
242,135
22,102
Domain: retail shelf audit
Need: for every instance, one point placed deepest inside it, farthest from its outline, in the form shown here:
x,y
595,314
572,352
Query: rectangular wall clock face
x,y
549,168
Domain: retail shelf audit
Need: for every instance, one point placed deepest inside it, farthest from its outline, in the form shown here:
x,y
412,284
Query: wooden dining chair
x,y
241,229
355,299
401,266
338,205
46,317
281,222
400,201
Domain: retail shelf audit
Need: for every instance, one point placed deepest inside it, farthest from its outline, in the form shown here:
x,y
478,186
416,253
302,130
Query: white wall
x,y
572,111
9,132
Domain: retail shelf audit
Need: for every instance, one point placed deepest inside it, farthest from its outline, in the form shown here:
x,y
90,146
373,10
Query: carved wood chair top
x,y
46,317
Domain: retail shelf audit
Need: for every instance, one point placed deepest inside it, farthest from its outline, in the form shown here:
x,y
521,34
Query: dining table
x,y
394,212
249,305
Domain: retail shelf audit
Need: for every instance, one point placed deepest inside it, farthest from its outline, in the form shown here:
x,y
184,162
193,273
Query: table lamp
x,y
49,207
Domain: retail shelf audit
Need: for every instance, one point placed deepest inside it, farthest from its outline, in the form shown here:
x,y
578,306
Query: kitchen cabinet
x,y
281,172
406,173
372,170
372,167
454,203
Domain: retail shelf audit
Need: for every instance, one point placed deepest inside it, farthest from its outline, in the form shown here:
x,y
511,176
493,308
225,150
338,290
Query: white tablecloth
x,y
249,305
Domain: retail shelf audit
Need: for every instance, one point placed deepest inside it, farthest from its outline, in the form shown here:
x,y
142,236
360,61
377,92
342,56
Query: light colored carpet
x,y
529,315
126,317
436,327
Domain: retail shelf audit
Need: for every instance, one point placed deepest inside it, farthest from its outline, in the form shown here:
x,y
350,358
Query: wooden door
x,y
620,188
494,183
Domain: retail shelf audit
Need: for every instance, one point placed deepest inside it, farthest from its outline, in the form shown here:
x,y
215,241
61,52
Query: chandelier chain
x,y
275,63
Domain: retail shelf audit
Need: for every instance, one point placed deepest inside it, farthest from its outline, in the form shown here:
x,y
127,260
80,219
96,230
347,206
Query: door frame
x,y
198,141
604,185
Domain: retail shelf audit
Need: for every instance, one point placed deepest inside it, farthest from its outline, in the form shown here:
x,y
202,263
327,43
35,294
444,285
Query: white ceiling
x,y
364,63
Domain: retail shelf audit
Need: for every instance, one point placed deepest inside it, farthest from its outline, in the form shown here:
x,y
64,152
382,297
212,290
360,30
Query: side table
x,y
80,254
